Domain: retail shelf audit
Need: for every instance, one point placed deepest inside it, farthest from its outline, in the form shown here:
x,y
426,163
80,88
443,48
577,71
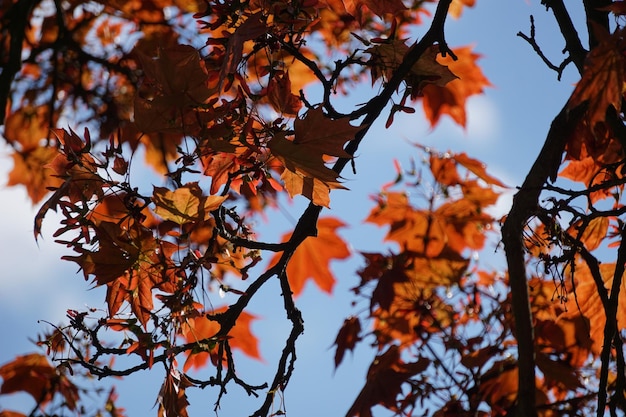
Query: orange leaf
x,y
594,233
315,190
477,168
499,384
31,170
28,126
202,329
9,413
456,7
186,204
588,303
450,99
32,373
602,83
313,256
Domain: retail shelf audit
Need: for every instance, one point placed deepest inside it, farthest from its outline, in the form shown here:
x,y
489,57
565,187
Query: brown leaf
x,y
315,136
172,398
387,57
384,382
280,96
347,338
498,386
378,7
558,371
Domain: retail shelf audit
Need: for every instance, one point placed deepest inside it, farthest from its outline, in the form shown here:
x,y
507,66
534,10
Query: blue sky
x,y
506,129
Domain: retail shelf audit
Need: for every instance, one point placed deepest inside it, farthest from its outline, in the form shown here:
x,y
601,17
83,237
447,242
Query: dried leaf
x,y
172,398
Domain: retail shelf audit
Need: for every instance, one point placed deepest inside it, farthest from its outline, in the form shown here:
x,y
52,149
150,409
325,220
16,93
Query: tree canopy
x,y
238,106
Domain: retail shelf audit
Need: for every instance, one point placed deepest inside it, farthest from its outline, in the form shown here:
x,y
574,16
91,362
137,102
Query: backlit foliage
x,y
233,107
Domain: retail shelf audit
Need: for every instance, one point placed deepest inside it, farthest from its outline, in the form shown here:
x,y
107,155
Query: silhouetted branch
x,y
533,42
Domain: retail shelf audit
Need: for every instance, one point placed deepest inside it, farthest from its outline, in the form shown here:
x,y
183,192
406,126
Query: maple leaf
x,y
280,96
465,224
477,168
131,263
602,82
10,413
347,338
315,190
378,7
33,374
252,28
28,126
588,303
387,57
451,98
311,259
179,84
384,382
172,398
559,372
315,136
299,74
456,7
445,269
31,169
593,234
498,386
185,204
219,167
202,330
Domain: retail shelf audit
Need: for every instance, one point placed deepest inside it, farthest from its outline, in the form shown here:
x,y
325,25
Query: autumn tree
x,y
237,106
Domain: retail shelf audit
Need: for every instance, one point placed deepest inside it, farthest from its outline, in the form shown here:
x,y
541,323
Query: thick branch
x,y
524,206
16,19
610,326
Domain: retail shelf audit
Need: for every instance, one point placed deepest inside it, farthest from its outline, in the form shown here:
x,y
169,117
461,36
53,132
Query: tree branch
x,y
16,19
525,204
